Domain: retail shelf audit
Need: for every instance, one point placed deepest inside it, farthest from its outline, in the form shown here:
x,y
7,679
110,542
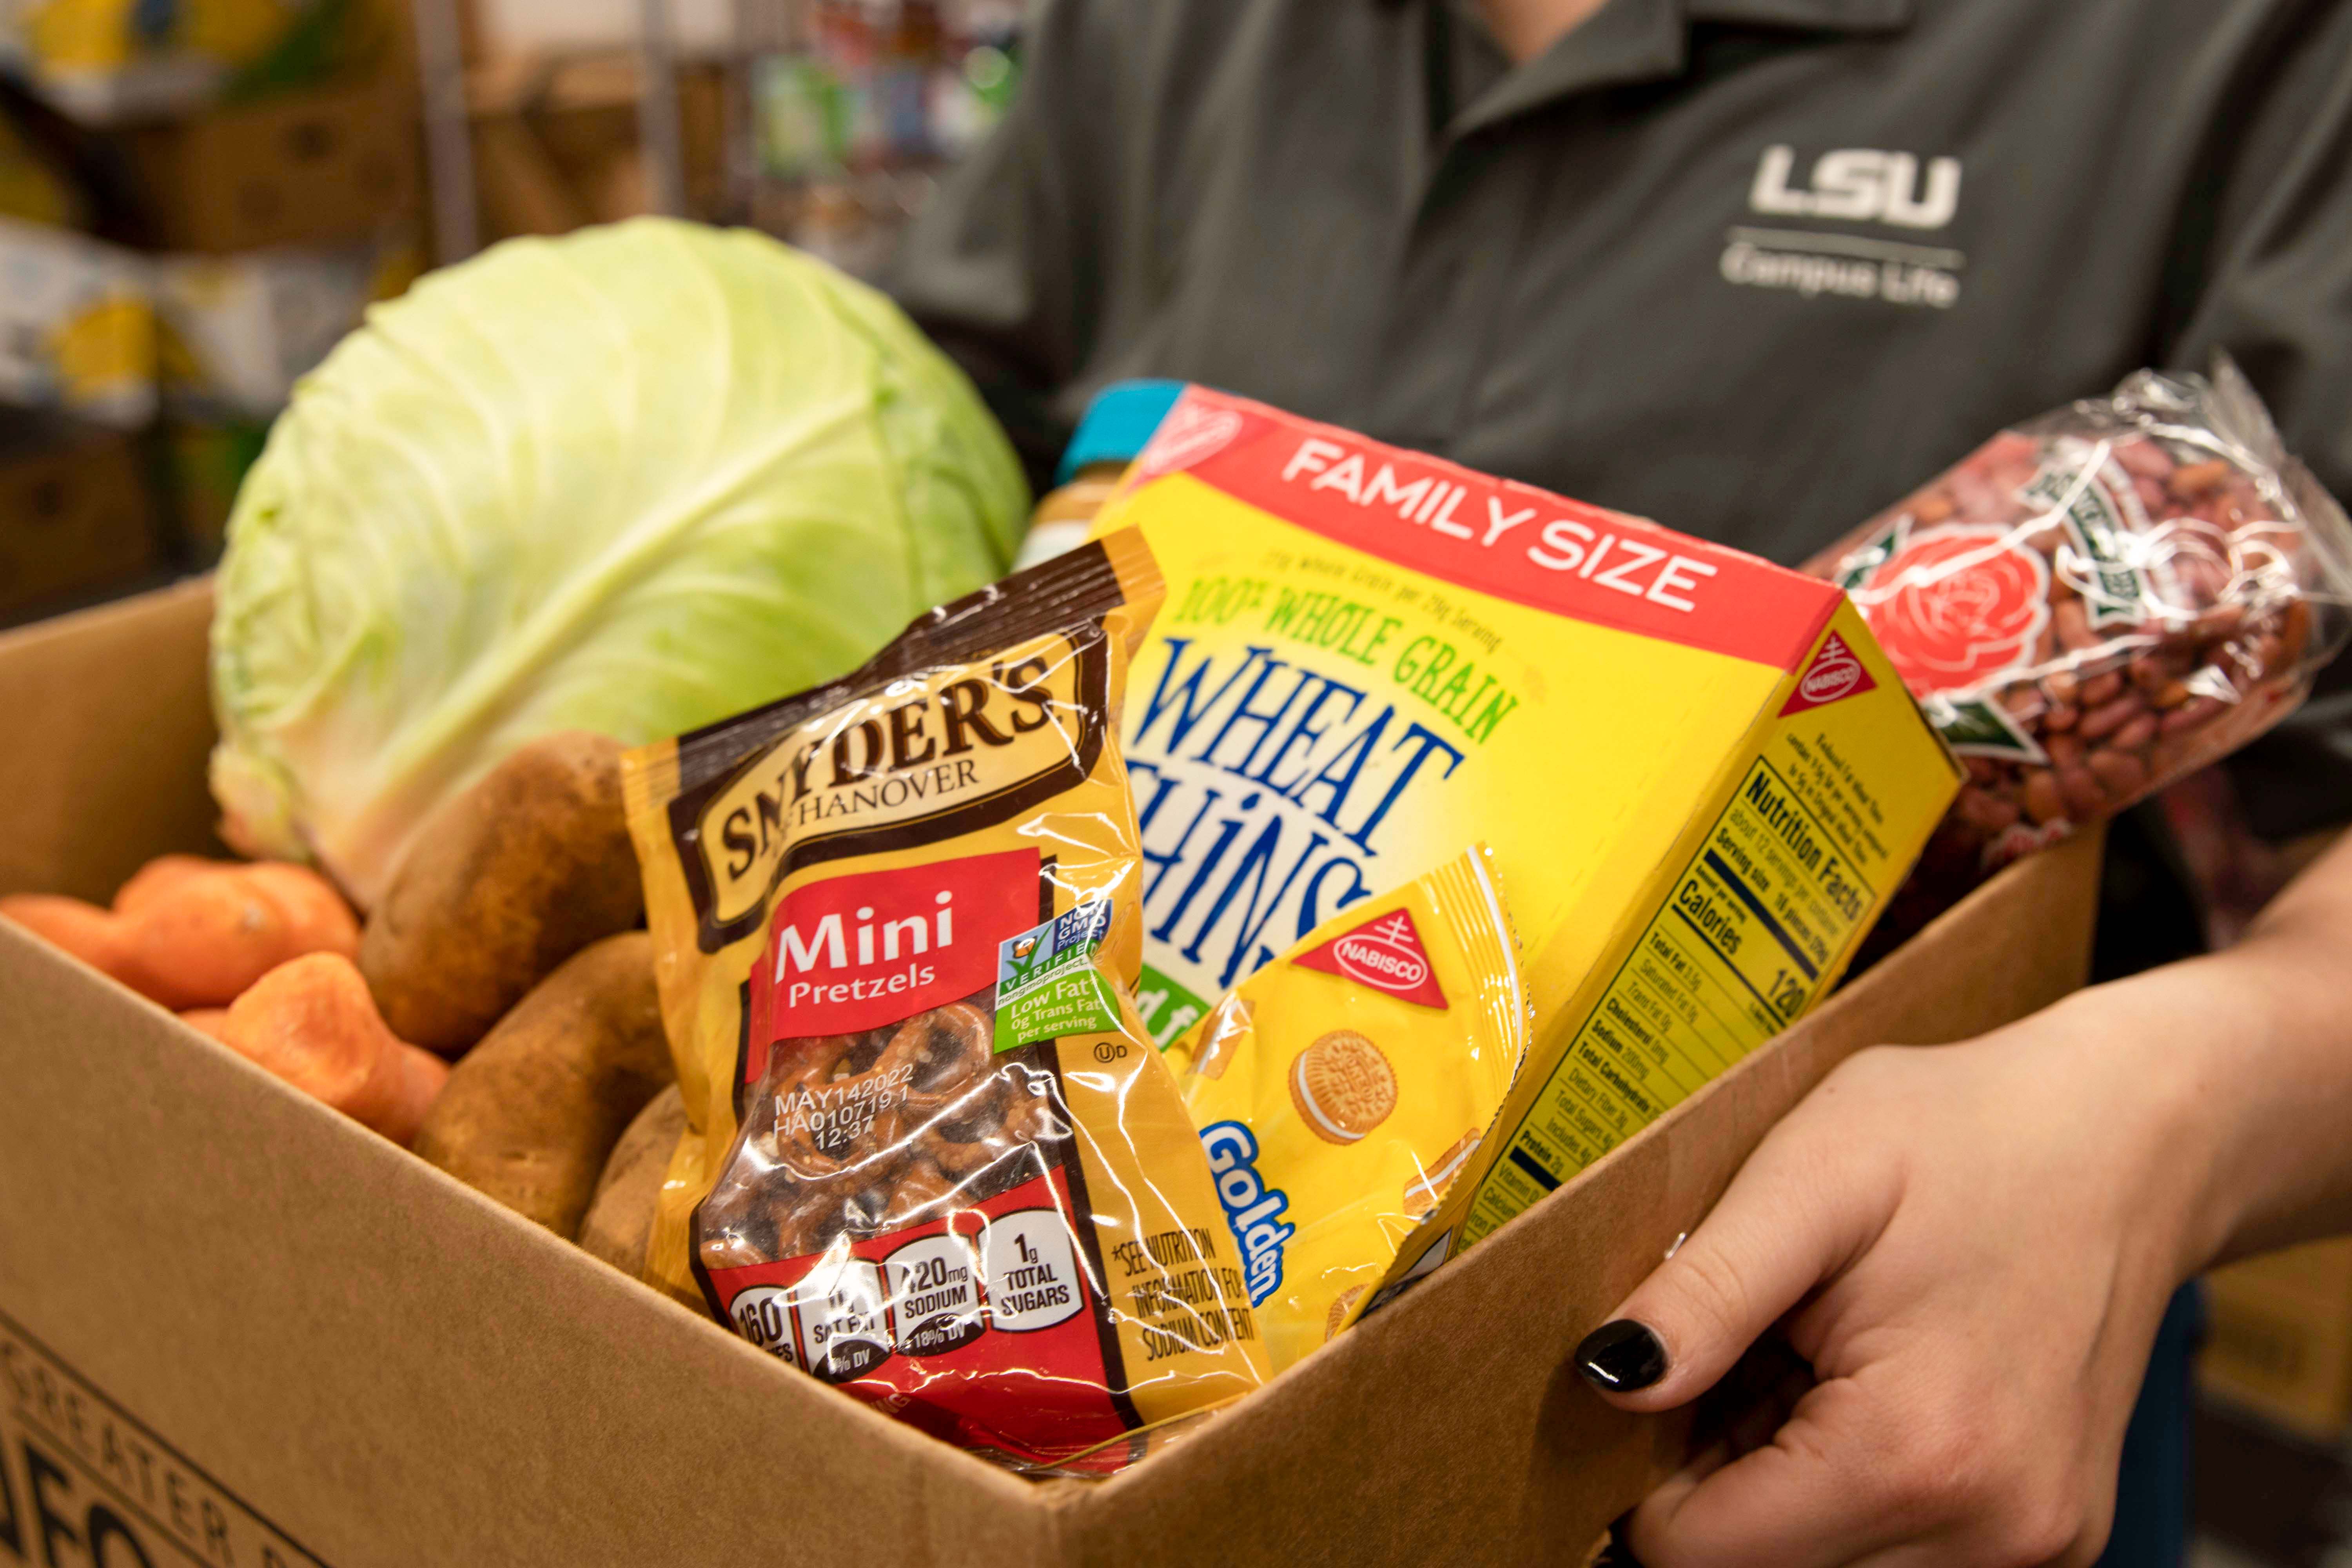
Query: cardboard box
x,y
77,514
2279,1340
76,325
227,1314
556,141
324,166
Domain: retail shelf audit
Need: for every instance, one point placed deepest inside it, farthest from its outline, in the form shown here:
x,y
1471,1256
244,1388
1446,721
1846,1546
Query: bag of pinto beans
x,y
2095,604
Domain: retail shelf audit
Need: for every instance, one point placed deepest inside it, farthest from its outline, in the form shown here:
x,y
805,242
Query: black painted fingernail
x,y
1621,1357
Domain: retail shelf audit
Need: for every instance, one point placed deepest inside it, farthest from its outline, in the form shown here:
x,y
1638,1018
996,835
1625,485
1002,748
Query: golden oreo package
x,y
1341,1089
932,1157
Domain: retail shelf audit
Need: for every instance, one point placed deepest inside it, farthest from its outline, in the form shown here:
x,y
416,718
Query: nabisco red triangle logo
x,y
1384,952
1834,673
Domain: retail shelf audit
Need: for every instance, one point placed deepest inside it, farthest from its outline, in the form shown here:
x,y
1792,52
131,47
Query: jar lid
x,y
1117,425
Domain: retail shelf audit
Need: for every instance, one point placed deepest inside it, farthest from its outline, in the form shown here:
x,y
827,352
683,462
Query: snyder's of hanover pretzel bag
x,y
932,1157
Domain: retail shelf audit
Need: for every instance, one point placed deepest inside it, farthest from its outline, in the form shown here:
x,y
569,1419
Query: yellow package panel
x,y
1310,723
1342,1091
1758,922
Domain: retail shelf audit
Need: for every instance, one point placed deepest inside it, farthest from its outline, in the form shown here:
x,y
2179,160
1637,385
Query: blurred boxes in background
x,y
2280,1338
107,62
174,277
202,190
77,328
234,332
556,141
862,106
32,186
204,460
77,513
318,166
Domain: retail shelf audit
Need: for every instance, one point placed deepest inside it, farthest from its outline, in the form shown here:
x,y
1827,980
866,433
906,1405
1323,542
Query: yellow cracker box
x,y
1700,777
1340,1090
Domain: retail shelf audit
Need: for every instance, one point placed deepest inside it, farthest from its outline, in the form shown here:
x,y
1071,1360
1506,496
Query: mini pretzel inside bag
x,y
2097,603
932,1156
871,1131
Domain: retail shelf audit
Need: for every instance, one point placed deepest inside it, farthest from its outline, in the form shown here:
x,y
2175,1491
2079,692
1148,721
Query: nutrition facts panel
x,y
1734,955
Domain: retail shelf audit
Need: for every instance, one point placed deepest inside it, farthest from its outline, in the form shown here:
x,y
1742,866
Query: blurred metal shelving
x,y
834,117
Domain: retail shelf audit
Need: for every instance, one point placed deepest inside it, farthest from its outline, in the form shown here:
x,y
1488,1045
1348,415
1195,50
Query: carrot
x,y
311,1022
91,934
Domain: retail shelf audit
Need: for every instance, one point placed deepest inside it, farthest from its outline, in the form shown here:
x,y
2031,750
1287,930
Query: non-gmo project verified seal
x,y
1046,981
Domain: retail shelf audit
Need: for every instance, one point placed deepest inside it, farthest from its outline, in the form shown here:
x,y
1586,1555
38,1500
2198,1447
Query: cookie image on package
x,y
1423,1192
1344,1303
1342,1087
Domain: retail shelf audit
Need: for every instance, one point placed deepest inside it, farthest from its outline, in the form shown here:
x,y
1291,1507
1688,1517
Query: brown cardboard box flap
x,y
2279,1340
389,1366
353,1352
320,167
110,722
75,515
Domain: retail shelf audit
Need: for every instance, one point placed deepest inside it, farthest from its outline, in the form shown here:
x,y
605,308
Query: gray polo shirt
x,y
1752,267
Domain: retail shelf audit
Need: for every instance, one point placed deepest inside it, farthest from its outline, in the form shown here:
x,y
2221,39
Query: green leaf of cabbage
x,y
632,480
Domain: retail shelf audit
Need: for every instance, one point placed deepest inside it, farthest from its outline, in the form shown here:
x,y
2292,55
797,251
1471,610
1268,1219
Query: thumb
x,y
1790,1221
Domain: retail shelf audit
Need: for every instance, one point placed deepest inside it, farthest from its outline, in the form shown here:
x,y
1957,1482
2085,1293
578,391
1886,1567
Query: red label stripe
x,y
1496,536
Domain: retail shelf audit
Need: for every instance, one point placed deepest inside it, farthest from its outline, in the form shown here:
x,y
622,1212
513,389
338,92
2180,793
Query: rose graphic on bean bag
x,y
1957,605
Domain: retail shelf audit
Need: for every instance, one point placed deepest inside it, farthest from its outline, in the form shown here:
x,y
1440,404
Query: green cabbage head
x,y
632,480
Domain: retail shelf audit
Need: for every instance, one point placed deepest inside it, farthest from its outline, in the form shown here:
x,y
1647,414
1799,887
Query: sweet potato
x,y
311,1023
317,917
202,942
94,935
506,880
213,1021
621,1214
191,933
532,1112
160,875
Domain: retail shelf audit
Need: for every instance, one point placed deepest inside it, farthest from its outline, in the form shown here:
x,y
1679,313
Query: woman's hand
x,y
1973,1246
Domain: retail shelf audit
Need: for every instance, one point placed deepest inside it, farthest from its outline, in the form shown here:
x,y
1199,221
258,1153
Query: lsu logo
x,y
1860,184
